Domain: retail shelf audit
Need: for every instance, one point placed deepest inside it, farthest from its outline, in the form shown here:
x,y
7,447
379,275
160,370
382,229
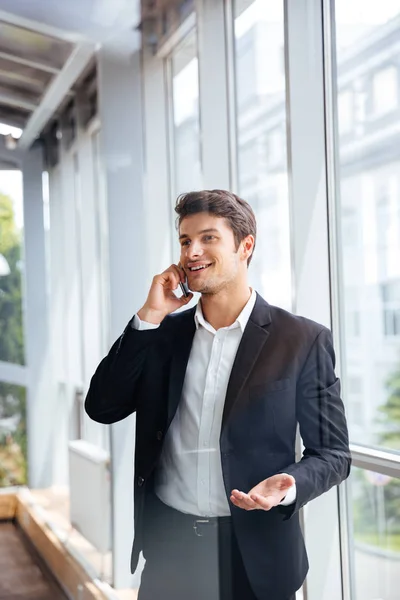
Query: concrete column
x,y
40,408
120,109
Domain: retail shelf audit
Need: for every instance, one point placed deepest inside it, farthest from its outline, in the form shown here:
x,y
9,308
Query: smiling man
x,y
219,390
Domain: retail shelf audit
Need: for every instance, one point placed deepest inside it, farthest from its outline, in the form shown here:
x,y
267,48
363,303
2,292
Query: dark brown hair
x,y
237,212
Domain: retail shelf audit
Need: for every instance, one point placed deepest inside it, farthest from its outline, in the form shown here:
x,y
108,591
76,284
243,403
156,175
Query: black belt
x,y
200,526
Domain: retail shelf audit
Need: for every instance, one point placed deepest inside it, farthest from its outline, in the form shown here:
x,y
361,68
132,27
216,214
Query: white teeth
x,y
198,268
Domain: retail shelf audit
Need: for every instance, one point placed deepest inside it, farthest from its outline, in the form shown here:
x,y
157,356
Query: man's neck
x,y
222,309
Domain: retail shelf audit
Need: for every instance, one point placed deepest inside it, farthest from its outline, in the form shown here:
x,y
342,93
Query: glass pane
x,y
186,117
375,539
13,444
11,223
368,115
100,198
261,128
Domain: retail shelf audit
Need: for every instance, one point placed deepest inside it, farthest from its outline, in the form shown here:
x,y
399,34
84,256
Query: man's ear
x,y
247,245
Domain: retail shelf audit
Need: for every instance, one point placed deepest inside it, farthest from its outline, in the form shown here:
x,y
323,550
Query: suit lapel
x,y
182,344
254,337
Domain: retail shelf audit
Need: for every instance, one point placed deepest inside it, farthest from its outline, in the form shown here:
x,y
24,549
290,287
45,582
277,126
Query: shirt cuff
x,y
290,497
143,325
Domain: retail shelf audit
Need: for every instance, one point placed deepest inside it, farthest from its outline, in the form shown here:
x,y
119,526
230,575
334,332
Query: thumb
x,y
185,299
286,481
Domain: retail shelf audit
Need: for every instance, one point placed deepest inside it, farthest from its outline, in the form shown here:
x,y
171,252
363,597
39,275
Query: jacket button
x,y
159,435
140,481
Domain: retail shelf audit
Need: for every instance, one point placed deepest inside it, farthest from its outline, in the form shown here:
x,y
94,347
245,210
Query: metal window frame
x,y
379,460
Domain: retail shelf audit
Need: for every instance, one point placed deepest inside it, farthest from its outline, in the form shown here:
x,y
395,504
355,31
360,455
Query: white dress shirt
x,y
189,474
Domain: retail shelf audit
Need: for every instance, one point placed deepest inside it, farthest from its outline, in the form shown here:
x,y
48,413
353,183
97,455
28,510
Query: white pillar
x,y
122,146
58,325
217,118
40,407
310,250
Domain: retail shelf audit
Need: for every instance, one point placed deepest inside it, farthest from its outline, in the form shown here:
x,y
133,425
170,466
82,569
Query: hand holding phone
x,y
161,299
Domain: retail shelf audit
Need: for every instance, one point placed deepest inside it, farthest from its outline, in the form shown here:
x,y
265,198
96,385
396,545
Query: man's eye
x,y
185,243
209,237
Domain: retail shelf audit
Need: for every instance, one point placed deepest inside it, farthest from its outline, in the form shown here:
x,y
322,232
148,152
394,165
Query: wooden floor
x,y
21,577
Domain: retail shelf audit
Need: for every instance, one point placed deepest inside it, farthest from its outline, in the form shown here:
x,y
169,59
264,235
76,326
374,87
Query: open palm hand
x,y
265,495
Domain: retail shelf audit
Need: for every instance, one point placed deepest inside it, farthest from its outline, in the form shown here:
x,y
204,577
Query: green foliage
x,y
376,511
13,444
11,327
390,413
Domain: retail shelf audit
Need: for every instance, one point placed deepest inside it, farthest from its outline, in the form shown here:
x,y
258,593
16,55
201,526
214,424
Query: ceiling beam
x,y
15,80
26,62
38,27
56,92
16,101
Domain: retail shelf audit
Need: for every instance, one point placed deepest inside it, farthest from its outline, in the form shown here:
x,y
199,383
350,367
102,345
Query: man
x,y
218,391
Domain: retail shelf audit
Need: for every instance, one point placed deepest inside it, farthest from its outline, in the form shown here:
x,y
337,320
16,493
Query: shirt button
x,y
140,481
159,435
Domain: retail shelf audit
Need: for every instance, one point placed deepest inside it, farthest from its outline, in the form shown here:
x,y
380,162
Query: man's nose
x,y
194,250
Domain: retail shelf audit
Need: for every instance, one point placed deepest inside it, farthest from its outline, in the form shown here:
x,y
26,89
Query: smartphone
x,y
184,288
184,285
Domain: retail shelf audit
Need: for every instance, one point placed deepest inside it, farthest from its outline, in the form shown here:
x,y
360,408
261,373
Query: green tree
x,y
11,328
390,437
390,413
12,398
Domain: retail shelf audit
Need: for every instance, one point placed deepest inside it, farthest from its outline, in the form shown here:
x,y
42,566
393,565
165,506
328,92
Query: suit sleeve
x,y
115,386
320,412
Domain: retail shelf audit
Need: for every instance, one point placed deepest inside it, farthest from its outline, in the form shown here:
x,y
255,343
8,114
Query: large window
x,y
186,155
11,260
369,150
375,536
261,135
13,442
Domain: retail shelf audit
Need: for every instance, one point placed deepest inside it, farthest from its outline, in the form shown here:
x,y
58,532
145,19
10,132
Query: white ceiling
x,y
98,21
45,45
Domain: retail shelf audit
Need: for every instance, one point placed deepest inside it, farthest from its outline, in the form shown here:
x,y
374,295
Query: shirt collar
x,y
241,320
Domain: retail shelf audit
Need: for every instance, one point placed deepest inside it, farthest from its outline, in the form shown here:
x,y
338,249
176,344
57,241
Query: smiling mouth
x,y
198,268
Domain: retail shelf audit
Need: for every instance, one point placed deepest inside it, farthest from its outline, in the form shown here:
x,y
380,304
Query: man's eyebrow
x,y
211,230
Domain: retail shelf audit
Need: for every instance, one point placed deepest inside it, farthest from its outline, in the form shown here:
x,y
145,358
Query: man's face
x,y
208,253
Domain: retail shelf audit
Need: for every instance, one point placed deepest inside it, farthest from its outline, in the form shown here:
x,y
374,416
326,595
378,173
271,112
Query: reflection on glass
x,y
11,326
186,117
261,127
375,540
368,59
13,445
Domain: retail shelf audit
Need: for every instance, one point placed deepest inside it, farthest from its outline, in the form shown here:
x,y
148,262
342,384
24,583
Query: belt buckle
x,y
197,523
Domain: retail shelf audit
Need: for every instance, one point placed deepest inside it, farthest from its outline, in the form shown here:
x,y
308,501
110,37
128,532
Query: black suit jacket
x,y
283,374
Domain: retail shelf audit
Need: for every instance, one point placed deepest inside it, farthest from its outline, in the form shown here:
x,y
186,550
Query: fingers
x,y
253,501
171,277
242,500
264,502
